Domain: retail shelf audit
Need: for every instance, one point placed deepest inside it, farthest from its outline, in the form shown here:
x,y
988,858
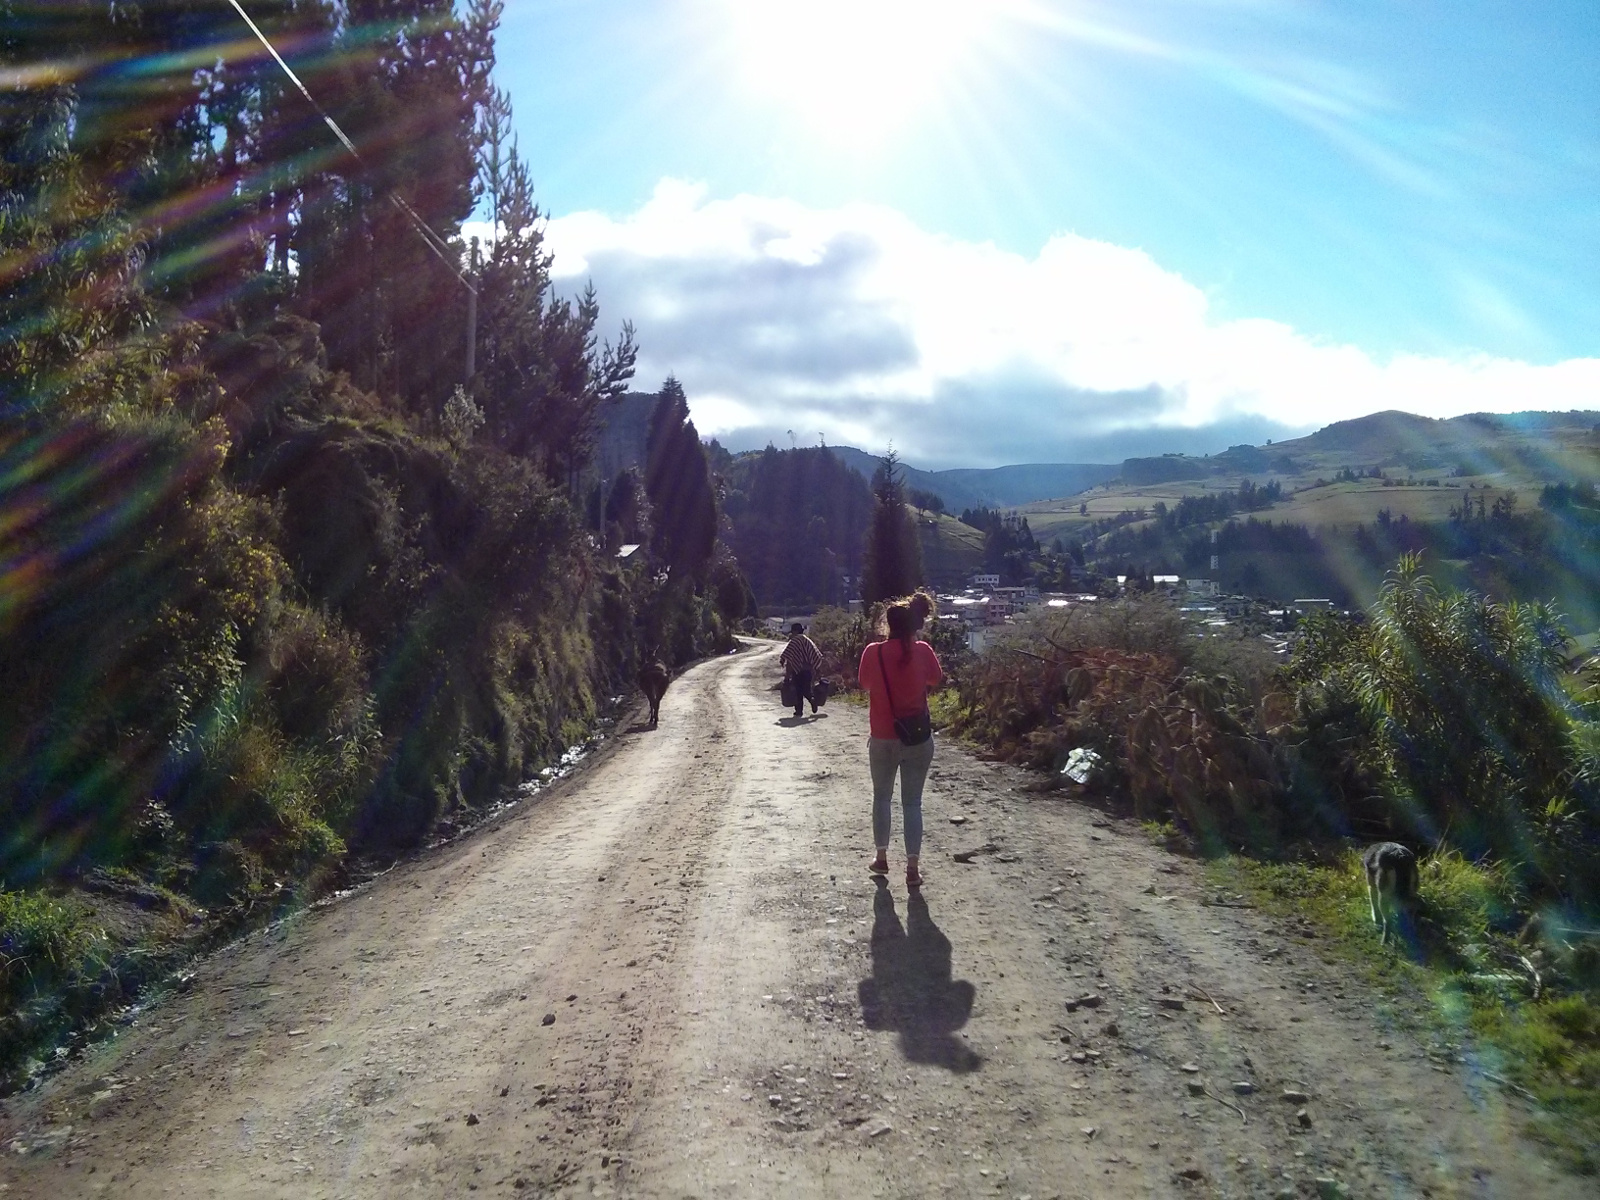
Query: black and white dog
x,y
1391,884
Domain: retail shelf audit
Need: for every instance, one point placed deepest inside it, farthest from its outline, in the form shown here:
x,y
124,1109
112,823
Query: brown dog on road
x,y
653,680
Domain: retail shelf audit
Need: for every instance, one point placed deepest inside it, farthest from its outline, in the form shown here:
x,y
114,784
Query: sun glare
x,y
856,69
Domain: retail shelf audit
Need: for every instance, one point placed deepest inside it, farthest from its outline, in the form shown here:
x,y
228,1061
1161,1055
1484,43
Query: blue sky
x,y
1405,191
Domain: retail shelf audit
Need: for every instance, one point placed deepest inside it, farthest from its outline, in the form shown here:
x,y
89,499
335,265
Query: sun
x,y
856,69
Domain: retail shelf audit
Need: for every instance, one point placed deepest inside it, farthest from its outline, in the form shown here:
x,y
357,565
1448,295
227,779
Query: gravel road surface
x,y
671,976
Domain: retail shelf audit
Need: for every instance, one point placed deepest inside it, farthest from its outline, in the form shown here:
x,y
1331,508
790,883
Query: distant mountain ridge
x,y
990,487
1479,443
1533,442
624,428
1537,443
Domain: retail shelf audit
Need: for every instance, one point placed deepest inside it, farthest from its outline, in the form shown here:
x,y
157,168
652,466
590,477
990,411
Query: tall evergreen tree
x,y
406,80
892,566
678,481
544,374
497,147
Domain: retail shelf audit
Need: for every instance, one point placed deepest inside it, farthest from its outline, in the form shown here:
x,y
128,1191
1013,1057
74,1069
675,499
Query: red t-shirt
x,y
910,681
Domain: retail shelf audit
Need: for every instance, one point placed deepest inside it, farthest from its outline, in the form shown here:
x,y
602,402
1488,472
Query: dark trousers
x,y
802,691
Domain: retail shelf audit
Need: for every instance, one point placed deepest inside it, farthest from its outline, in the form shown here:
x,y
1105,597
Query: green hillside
x,y
951,551
1423,464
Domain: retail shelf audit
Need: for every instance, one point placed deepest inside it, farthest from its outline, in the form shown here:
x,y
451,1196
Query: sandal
x,y
878,866
913,878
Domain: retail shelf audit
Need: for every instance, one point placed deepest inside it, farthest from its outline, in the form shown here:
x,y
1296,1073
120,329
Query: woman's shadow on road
x,y
910,991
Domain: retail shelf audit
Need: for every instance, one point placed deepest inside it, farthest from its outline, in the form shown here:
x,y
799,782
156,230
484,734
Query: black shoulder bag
x,y
912,730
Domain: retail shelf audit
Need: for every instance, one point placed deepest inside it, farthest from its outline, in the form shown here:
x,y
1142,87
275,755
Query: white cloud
x,y
855,323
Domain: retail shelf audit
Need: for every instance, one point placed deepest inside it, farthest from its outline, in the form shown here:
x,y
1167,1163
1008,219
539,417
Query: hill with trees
x,y
797,522
283,582
1334,509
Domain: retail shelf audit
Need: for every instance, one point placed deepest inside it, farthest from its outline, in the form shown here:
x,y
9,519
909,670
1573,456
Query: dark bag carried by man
x,y
820,693
912,730
789,692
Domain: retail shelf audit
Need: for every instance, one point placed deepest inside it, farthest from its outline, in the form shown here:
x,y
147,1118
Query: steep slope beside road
x,y
671,976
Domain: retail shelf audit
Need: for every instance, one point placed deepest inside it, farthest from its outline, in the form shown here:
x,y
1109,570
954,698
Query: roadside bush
x,y
1472,900
1125,681
316,675
151,581
1450,709
45,944
842,636
246,785
52,957
949,642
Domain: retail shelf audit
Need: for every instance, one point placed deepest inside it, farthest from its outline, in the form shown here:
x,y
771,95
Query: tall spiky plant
x,y
1473,728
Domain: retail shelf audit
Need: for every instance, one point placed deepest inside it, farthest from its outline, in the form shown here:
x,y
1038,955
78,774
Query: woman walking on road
x,y
898,674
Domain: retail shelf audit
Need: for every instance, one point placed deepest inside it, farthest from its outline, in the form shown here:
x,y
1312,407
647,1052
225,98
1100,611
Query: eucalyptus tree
x,y
678,480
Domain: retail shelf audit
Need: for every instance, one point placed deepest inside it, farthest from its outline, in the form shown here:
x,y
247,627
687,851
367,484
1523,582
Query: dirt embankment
x,y
672,977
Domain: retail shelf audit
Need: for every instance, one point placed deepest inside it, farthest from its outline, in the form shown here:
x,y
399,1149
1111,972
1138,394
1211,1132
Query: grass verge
x,y
1461,957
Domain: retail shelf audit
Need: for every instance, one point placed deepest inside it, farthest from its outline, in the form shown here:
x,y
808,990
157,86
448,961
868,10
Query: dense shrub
x,y
842,636
278,583
1451,708
53,960
316,676
1174,719
1443,718
45,944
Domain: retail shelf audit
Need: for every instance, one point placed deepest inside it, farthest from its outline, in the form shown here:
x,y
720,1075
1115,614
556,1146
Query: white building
x,y
1018,598
979,640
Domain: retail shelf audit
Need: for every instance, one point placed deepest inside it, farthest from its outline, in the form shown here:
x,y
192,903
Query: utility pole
x,y
472,318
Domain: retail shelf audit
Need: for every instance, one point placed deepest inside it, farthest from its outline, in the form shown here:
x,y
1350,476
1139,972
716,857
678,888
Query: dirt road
x,y
672,976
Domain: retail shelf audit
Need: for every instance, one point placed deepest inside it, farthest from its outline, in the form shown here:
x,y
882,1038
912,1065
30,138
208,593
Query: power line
x,y
434,242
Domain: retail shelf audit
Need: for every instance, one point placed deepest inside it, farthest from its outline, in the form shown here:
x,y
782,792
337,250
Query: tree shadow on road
x,y
910,991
